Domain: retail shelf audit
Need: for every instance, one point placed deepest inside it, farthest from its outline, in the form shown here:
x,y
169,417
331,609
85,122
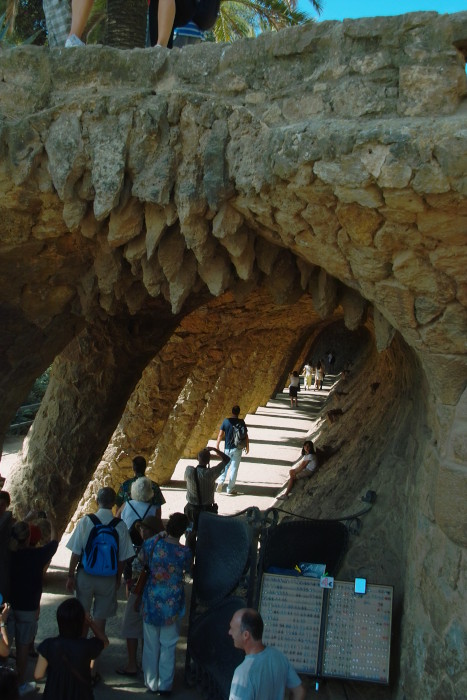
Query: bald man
x,y
265,673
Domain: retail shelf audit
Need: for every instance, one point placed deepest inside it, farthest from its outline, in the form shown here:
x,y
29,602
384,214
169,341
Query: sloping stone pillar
x,y
89,387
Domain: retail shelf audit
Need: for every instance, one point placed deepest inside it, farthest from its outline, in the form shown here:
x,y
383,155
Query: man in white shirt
x,y
102,590
265,673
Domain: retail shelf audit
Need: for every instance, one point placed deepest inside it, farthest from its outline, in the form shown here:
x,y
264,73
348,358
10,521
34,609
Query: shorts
x,y
132,625
101,589
22,625
58,21
304,474
293,390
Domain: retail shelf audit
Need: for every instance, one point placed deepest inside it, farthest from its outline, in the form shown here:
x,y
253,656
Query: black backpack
x,y
206,13
240,435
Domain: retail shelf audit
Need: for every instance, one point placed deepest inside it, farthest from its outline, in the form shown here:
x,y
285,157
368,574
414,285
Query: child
x,y
67,658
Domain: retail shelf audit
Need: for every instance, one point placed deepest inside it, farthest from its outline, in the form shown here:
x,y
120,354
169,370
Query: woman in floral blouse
x,y
163,602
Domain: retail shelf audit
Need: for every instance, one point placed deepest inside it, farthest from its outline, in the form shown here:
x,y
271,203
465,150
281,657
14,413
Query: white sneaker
x,y
73,40
26,688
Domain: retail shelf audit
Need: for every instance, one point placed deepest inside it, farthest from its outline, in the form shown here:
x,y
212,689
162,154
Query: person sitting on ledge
x,y
304,469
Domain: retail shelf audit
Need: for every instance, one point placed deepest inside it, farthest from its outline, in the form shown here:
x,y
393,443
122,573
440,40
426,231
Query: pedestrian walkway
x,y
276,433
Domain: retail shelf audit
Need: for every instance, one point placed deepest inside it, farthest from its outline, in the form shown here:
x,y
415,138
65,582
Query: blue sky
x,y
339,9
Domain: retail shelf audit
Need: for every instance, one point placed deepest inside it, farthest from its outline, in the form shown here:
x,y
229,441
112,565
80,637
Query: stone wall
x,y
170,219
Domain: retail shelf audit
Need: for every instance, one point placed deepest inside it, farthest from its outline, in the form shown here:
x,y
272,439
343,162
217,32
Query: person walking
x,y
124,491
26,570
319,375
308,371
163,602
100,546
234,433
294,388
132,625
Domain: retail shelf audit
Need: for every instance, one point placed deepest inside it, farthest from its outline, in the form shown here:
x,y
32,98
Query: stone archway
x,y
150,200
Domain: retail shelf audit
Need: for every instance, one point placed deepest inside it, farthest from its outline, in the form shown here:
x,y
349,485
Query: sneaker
x,y
26,688
219,488
232,493
73,40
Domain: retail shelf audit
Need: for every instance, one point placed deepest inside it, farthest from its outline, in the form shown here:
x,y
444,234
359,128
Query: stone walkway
x,y
276,434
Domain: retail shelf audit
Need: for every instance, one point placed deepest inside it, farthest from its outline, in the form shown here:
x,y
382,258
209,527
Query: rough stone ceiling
x,y
327,161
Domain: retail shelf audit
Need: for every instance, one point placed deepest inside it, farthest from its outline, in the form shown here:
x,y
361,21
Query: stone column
x,y
89,387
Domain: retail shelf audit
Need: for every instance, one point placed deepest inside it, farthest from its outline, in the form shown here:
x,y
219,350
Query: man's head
x,y
204,457
106,497
139,465
4,501
246,628
236,411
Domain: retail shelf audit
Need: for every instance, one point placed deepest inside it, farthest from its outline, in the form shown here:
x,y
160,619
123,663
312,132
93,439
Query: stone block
x,y
430,179
448,332
425,89
416,273
359,222
407,200
451,501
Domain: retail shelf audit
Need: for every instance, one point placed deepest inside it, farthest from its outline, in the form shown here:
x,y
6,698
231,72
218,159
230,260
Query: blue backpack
x,y
100,556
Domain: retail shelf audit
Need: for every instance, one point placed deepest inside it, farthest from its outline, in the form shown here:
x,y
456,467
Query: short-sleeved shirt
x,y
311,460
80,535
124,493
263,676
26,570
164,593
207,483
137,510
68,670
227,427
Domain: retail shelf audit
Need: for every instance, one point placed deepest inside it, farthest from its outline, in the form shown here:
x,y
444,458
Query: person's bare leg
x,y
288,489
165,21
80,11
132,648
100,624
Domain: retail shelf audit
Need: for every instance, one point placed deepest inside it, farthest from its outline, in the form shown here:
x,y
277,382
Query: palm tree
x,y
243,18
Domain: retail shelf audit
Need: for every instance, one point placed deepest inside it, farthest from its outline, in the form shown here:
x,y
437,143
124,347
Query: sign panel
x,y
329,632
358,633
291,608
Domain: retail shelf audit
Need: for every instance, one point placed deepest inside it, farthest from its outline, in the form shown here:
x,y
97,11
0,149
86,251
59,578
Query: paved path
x,y
276,434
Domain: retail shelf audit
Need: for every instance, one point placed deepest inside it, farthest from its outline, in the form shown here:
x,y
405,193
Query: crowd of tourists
x,y
127,541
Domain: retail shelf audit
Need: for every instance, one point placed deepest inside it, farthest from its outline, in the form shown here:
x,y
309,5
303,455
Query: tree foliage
x,y
243,18
23,22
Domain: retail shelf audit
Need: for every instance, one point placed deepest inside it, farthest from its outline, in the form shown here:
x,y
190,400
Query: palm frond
x,y
10,15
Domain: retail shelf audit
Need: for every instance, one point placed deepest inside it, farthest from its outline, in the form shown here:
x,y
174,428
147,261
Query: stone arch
x,y
319,171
